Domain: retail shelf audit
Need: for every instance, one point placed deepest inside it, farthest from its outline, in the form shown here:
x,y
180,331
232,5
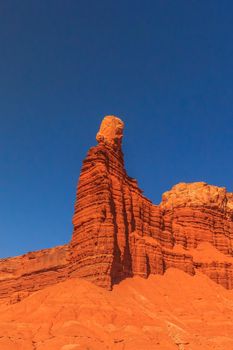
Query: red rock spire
x,y
98,244
119,233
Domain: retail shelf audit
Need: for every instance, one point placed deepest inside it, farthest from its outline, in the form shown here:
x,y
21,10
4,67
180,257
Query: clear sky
x,y
165,67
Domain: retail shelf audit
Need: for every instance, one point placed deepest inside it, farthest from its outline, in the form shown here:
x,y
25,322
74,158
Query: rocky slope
x,y
119,233
175,311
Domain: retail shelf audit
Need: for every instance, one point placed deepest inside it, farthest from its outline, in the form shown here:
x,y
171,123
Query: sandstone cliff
x,y
119,233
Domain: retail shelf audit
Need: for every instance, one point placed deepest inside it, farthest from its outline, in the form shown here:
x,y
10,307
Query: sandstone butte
x,y
88,294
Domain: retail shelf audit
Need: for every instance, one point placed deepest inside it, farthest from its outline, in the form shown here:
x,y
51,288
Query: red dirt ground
x,y
175,311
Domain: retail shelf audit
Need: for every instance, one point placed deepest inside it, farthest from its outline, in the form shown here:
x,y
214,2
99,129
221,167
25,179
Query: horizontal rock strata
x,y
21,275
119,233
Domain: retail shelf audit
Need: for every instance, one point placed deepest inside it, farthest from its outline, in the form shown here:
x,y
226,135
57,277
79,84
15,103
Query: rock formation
x,y
119,233
21,275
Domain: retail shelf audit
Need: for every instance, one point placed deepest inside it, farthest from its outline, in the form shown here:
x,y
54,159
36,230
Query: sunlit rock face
x,y
111,132
119,233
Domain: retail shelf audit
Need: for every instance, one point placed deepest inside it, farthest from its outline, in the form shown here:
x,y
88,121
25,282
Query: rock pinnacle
x,y
111,132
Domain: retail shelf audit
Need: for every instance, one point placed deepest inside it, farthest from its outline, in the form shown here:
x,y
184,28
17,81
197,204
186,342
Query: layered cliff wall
x,y
119,233
21,275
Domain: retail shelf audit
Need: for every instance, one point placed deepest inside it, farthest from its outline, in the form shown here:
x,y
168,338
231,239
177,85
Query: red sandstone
x,y
119,233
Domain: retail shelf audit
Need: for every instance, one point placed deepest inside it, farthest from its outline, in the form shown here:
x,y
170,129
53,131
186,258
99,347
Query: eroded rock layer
x,y
119,233
21,275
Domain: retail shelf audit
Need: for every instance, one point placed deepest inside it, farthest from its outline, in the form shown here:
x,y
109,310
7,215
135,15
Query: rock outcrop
x,y
21,275
119,233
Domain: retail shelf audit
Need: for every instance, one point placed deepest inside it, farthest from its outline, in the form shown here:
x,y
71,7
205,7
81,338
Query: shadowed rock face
x,y
119,233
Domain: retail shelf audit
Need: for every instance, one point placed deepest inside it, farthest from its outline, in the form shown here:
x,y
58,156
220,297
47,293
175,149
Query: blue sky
x,y
164,67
